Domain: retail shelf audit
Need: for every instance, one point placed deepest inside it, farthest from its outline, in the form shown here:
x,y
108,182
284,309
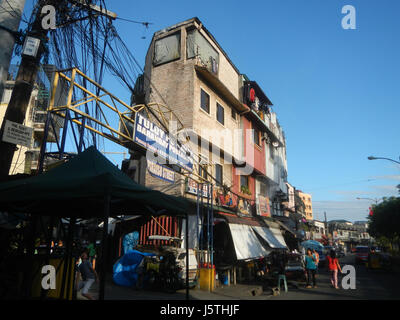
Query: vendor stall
x,y
86,186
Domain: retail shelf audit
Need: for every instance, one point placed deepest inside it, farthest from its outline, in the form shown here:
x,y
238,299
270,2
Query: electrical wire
x,y
146,24
92,44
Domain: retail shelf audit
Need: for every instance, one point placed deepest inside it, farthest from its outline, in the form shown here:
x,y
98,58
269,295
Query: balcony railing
x,y
39,117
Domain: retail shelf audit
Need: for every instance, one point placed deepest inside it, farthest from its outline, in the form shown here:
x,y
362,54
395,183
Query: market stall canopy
x,y
272,236
247,246
79,188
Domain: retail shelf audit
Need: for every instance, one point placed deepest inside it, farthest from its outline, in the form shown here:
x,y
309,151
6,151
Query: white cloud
x,y
389,188
356,210
354,193
388,177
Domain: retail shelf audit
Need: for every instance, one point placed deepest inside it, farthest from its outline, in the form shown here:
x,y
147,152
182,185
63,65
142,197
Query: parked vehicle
x,y
361,254
328,249
163,273
295,267
340,252
180,261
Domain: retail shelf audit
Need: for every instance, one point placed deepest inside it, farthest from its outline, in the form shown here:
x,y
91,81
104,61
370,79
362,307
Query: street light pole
x,y
376,158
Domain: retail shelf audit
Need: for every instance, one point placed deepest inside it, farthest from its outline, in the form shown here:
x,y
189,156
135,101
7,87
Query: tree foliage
x,y
385,220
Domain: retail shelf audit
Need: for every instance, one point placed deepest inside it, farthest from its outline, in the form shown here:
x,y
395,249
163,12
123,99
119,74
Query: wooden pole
x,y
187,255
103,266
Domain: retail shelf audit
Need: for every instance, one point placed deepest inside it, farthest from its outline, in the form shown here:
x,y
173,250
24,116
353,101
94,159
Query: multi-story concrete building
x,y
276,164
308,204
318,231
186,66
26,158
229,117
348,234
232,131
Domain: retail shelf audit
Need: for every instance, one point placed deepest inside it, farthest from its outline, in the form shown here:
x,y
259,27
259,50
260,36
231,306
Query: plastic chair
x,y
282,277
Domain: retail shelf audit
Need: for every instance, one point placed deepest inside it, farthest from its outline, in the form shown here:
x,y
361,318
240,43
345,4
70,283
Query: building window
x,y
220,114
203,172
256,136
167,49
233,114
198,46
205,101
203,162
272,153
218,174
36,144
244,182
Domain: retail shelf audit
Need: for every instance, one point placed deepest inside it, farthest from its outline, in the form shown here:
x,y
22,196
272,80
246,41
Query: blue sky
x,y
336,92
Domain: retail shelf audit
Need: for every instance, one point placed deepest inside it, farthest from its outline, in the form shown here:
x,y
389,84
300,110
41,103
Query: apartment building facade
x,y
188,70
234,134
229,127
306,198
26,158
349,234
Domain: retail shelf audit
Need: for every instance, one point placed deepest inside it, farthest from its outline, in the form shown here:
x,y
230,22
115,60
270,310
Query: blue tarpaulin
x,y
125,269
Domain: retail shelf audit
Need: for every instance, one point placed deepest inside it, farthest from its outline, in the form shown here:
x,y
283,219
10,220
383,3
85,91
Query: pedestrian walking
x,y
316,255
311,268
88,275
333,266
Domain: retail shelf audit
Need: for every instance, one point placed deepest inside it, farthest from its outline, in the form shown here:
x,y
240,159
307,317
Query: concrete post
x,y
10,17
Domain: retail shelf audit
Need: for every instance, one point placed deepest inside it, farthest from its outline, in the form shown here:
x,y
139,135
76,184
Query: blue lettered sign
x,y
155,139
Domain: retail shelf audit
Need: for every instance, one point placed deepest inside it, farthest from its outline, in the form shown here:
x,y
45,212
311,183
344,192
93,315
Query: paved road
x,y
370,285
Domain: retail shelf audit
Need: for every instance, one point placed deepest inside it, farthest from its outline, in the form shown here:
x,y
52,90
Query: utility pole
x,y
23,87
10,17
26,77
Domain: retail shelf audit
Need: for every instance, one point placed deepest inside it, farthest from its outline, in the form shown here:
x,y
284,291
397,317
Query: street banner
x,y
153,138
160,171
192,187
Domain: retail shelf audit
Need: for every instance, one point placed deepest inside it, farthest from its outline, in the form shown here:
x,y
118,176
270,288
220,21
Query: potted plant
x,y
245,189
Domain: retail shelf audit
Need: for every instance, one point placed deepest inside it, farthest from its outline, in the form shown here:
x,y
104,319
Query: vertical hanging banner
x,y
263,208
153,138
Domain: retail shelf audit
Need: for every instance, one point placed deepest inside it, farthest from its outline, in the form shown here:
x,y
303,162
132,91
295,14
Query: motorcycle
x,y
163,275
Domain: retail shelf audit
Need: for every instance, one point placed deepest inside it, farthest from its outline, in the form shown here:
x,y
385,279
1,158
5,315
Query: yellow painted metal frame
x,y
163,114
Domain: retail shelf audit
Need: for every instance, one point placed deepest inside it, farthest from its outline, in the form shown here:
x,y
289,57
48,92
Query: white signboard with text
x,y
17,134
31,46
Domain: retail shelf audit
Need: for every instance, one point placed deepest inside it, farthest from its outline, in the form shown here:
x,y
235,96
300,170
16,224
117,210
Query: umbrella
x,y
311,244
